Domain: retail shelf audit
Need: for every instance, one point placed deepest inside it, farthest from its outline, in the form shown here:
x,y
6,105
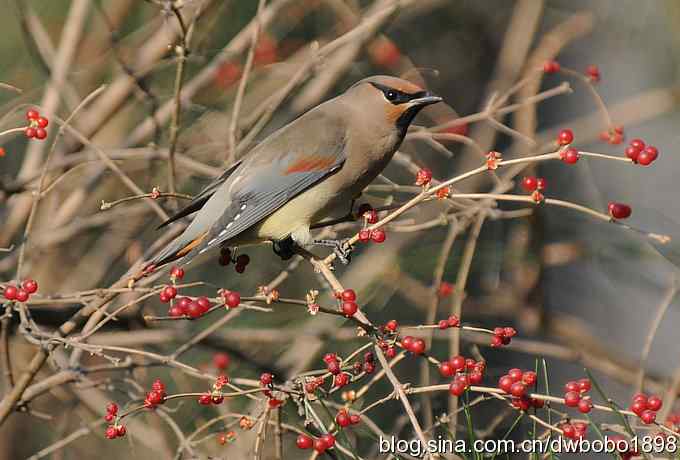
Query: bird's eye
x,y
391,95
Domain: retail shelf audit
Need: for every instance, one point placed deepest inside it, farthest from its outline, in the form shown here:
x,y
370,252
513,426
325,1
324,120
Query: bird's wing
x,y
284,165
199,200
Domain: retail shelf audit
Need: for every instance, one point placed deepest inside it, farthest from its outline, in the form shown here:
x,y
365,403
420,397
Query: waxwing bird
x,y
295,177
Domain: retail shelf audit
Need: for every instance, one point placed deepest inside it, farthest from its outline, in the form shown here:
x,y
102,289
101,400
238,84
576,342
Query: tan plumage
x,y
300,173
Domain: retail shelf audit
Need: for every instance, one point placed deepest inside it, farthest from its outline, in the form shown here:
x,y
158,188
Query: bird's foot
x,y
285,248
341,248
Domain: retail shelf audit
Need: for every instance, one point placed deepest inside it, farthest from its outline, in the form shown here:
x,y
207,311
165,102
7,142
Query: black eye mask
x,y
397,97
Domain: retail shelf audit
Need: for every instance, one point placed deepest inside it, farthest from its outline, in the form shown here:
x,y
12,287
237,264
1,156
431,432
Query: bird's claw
x,y
341,248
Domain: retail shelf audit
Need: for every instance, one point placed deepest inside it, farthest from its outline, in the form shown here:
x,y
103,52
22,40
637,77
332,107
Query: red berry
x,y
304,442
541,184
158,385
341,380
384,53
522,403
569,156
10,292
418,347
371,216
529,183
445,289
183,303
585,405
458,362
572,386
354,419
392,325
505,382
568,430
221,360
243,260
476,377
217,399
648,417
348,295
565,137
446,369
454,321
364,235
32,114
329,439
43,122
232,299
266,379
654,403
640,397
205,399
111,432
349,309
637,144
443,324
40,133
112,408
457,388
109,417
537,403
155,397
632,153
170,291
593,72
391,352
571,398
328,357
194,310
204,303
648,155
29,132
496,341
551,66
423,177
29,286
515,374
333,367
378,235
509,332
619,210
638,407
584,385
343,419
518,389
529,378
177,272
320,446
407,342
21,296
164,297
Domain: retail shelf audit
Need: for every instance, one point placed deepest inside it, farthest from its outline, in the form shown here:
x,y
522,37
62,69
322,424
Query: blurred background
x,y
580,292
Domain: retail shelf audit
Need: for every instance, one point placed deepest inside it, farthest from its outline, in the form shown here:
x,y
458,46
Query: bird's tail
x,y
177,249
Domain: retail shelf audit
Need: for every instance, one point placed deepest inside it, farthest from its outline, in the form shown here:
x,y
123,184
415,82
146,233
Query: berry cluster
x,y
347,299
345,419
240,262
313,383
224,438
333,366
575,395
168,293
673,422
36,125
640,153
466,372
116,430
193,308
646,407
320,445
21,293
573,430
414,345
423,177
502,336
377,236
535,186
619,210
451,321
516,383
156,396
214,397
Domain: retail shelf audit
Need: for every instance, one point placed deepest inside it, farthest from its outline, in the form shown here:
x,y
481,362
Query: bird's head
x,y
391,99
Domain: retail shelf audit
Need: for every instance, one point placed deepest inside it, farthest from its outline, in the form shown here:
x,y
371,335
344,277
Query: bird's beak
x,y
427,99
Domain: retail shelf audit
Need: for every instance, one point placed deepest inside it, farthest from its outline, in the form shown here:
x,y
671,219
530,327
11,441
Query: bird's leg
x,y
341,248
285,248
